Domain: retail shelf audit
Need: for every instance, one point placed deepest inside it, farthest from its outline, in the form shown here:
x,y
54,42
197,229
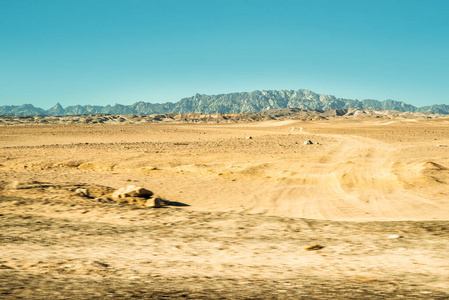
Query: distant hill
x,y
228,103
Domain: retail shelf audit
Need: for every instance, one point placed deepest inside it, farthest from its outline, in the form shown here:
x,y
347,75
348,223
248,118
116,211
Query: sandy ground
x,y
244,202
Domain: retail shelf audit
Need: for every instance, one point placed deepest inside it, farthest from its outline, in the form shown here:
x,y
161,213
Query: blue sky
x,y
107,52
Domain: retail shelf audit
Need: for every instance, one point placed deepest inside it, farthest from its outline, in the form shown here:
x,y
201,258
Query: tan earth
x,y
244,204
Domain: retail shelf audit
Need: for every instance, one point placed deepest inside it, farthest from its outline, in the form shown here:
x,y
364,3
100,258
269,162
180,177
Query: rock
x,y
308,142
157,202
314,247
101,264
441,145
249,137
98,191
136,201
394,236
154,202
132,191
82,192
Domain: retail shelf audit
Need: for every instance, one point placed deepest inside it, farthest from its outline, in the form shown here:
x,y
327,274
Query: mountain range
x,y
244,102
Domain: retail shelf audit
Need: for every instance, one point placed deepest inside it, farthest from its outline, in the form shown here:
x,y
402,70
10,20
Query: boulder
x,y
308,142
132,191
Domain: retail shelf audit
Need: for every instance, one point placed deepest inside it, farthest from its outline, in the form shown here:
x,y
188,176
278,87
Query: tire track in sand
x,y
353,181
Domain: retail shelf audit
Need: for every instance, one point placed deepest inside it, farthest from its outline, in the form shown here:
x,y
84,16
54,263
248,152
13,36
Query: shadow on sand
x,y
173,203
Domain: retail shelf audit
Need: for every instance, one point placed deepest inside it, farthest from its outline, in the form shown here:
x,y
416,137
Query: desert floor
x,y
244,201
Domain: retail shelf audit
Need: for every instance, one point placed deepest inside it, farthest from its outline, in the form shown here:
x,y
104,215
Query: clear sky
x,y
111,51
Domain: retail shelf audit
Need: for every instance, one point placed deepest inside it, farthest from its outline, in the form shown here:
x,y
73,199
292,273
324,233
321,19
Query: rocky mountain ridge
x,y
245,102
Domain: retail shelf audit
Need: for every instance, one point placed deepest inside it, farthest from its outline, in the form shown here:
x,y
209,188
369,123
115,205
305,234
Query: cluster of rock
x,y
137,195
129,195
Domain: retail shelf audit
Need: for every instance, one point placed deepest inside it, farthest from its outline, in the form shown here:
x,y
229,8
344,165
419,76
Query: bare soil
x,y
251,211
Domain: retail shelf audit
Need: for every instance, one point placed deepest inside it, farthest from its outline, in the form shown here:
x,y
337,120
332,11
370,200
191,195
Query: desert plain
x,y
251,210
